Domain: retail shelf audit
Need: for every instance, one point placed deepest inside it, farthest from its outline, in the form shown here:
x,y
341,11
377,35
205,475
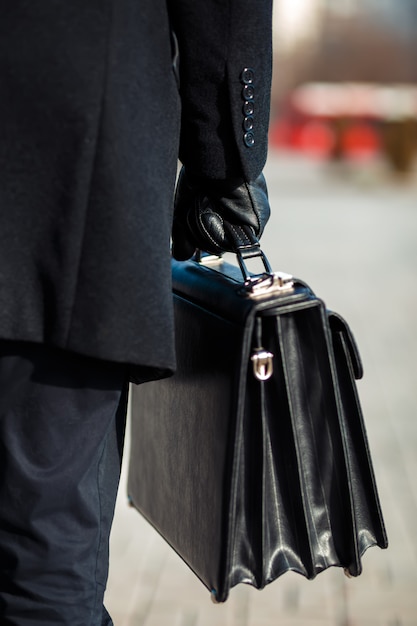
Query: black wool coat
x,y
94,114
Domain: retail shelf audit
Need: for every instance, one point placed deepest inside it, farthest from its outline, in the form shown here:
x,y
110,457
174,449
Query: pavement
x,y
350,231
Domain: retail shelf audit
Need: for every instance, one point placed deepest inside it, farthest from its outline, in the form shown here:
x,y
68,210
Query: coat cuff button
x,y
249,139
247,76
248,95
248,108
248,123
248,92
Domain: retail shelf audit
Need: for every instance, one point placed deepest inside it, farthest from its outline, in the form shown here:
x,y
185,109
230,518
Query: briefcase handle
x,y
246,246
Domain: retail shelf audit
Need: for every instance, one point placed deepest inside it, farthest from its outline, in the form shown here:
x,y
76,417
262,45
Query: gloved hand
x,y
206,216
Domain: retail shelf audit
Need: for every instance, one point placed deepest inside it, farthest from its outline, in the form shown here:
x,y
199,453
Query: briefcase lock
x,y
262,361
268,284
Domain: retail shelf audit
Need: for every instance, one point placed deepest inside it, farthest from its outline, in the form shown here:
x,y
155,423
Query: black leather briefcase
x,y
252,459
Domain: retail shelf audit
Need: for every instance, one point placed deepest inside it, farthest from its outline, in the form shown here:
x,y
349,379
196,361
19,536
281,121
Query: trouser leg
x,y
62,421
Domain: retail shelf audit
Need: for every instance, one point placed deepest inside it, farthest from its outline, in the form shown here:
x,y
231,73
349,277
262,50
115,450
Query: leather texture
x,y
217,218
249,479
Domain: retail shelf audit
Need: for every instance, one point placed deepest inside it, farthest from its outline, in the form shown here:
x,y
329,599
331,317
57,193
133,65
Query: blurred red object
x,y
361,141
313,137
316,139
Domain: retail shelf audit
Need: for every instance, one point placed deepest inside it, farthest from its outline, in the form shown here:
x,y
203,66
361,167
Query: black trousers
x,y
62,422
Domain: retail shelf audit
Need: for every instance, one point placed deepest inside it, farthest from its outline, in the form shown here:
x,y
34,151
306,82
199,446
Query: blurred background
x,y
342,178
345,80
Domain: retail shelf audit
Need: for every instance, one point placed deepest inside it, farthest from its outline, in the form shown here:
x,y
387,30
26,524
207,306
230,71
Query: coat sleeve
x,y
225,58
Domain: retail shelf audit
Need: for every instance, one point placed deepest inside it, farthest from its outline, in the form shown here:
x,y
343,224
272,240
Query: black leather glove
x,y
214,217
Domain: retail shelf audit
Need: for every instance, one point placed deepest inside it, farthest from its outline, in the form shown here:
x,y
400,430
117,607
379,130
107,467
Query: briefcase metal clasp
x,y
254,285
262,361
267,282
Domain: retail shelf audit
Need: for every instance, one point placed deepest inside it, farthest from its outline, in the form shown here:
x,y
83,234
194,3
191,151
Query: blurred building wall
x,y
369,44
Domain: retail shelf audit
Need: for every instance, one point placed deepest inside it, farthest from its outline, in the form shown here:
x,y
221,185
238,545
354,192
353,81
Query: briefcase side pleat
x,y
367,511
244,557
311,409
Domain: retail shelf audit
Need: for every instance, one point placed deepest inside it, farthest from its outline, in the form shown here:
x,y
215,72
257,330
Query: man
x,y
98,100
